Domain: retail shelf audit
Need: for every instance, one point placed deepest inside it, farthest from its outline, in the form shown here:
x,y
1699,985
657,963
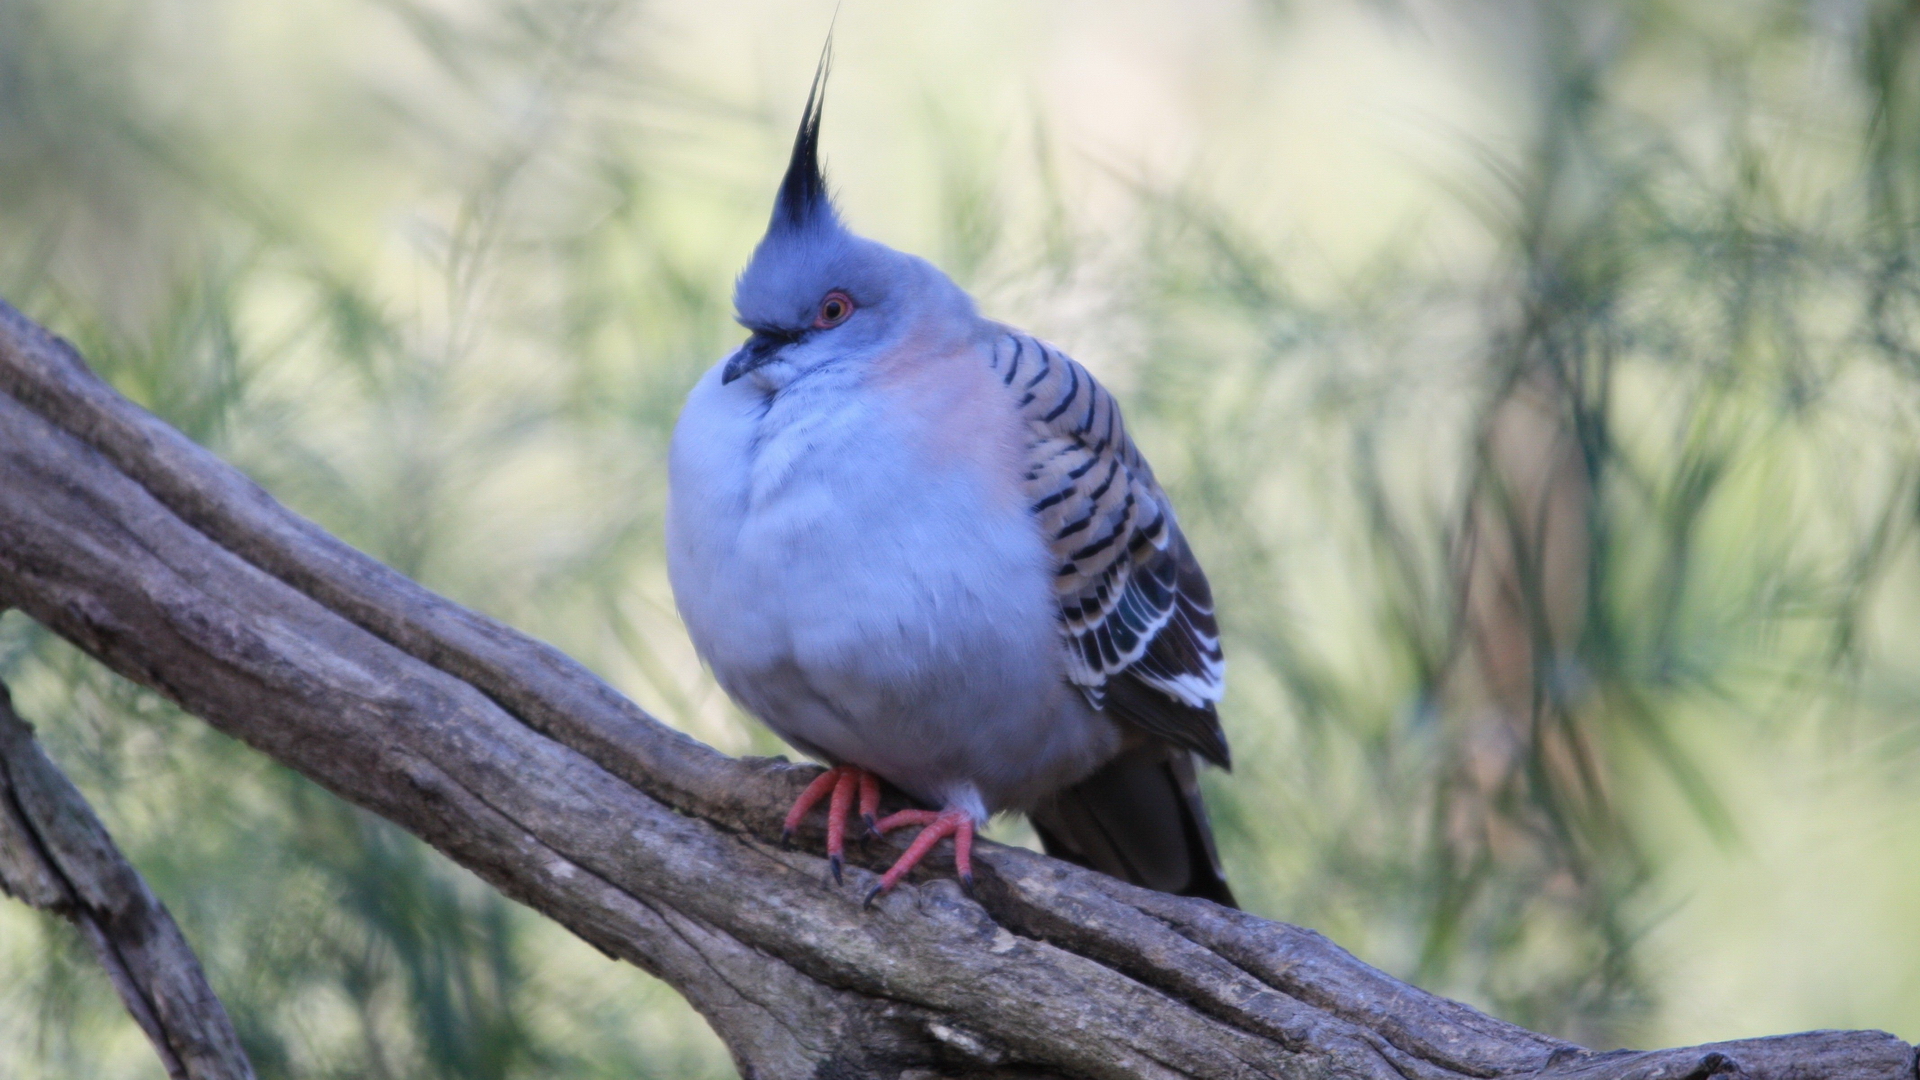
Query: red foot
x,y
840,780
955,823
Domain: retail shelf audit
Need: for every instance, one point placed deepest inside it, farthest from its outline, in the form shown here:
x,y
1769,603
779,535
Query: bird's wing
x,y
1135,610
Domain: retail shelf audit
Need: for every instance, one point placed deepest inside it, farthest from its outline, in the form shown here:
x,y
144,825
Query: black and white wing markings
x,y
1135,609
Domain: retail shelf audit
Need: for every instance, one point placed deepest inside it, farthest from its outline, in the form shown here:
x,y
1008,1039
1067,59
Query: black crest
x,y
803,200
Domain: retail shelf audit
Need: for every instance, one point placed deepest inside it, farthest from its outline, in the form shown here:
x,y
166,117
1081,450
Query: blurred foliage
x,y
1561,529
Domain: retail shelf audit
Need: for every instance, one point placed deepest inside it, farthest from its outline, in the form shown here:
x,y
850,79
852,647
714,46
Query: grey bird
x,y
921,547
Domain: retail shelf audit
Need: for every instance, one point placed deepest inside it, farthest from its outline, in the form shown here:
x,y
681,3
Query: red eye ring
x,y
834,309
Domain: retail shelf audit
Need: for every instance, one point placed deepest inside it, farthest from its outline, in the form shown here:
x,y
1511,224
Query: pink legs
x,y
955,823
838,785
840,781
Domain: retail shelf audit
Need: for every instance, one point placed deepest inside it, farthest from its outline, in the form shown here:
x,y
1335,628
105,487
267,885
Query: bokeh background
x,y
1538,381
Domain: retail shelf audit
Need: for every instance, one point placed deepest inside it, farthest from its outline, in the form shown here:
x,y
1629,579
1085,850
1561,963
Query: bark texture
x,y
176,571
56,856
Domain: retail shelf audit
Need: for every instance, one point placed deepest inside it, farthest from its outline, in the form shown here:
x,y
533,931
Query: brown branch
x,y
171,568
1523,565
56,856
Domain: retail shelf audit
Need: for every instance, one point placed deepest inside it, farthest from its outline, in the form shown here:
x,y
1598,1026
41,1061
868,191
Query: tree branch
x,y
173,569
56,856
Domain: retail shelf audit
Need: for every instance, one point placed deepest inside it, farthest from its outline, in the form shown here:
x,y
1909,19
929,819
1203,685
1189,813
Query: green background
x,y
438,274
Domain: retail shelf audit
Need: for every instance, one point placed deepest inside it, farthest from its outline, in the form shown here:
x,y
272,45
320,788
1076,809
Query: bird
x,y
921,547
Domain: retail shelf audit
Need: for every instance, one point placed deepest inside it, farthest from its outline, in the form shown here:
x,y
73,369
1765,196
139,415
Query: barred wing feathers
x,y
1135,610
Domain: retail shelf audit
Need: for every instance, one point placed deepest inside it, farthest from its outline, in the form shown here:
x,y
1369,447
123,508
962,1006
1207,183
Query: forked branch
x,y
173,569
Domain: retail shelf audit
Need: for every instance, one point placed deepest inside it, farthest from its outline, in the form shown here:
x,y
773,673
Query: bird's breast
x,y
855,536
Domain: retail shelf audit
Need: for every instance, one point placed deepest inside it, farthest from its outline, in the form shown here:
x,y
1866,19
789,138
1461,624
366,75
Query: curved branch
x,y
173,569
55,855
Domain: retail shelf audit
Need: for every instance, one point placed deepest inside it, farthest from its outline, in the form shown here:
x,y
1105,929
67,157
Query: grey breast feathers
x,y
1136,613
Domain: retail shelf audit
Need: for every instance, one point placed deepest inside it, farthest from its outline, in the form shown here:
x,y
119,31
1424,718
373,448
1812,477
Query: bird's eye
x,y
834,310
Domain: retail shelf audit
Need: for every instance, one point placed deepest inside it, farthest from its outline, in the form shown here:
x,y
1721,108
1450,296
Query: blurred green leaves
x,y
1529,524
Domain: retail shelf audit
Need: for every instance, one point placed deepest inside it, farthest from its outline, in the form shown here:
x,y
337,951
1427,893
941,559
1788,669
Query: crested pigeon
x,y
921,547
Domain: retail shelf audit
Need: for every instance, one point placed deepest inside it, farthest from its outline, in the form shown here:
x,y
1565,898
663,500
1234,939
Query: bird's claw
x,y
934,827
841,786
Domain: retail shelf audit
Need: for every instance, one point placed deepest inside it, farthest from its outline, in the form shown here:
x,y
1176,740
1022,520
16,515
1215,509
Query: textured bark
x,y
174,570
56,856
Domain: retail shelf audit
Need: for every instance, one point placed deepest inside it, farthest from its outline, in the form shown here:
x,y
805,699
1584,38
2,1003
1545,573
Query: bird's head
x,y
816,295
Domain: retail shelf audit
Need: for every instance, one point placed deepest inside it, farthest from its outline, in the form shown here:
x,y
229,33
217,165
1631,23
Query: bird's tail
x,y
1141,820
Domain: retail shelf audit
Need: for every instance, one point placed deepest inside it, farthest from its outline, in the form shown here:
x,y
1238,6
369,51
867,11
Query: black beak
x,y
761,348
